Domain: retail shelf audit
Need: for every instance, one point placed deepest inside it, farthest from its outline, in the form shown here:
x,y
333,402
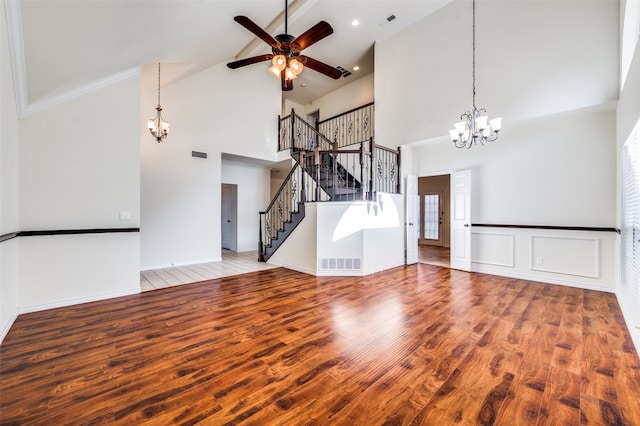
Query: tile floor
x,y
232,263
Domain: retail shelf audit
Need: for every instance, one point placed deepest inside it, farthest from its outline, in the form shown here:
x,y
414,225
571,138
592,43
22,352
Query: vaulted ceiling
x,y
61,45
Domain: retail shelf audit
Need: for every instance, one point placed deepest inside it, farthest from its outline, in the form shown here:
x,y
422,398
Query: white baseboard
x,y
7,327
528,277
79,300
175,265
630,314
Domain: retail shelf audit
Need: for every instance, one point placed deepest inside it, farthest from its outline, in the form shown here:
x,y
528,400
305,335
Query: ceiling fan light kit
x,y
286,61
475,125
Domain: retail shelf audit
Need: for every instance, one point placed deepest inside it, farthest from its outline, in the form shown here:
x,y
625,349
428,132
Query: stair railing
x,y
297,188
350,127
296,134
323,172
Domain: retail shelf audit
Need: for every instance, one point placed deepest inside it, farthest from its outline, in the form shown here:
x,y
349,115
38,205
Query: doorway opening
x,y
229,217
434,228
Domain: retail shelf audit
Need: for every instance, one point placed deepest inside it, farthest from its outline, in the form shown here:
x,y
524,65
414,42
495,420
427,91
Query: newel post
x,y
372,182
279,133
260,244
293,126
399,180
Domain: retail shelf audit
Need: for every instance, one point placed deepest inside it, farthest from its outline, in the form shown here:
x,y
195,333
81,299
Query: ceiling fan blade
x,y
249,61
321,67
254,28
313,34
286,84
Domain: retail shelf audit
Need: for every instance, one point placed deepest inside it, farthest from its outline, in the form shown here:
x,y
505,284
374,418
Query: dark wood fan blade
x,y
254,28
249,61
313,34
286,84
321,67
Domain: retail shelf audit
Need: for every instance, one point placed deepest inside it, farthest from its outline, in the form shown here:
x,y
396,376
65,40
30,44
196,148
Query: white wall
x,y
341,233
555,86
9,196
253,196
79,168
533,59
180,195
353,95
559,171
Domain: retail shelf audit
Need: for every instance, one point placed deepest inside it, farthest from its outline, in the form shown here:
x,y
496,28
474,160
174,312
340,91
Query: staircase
x,y
323,171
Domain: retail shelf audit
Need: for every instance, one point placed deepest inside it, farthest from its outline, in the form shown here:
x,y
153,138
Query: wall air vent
x,y
345,72
339,264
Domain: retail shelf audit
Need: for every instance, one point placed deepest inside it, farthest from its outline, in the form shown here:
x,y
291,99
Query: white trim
x,y
481,269
630,314
16,54
4,332
177,264
512,239
19,70
79,300
42,105
596,255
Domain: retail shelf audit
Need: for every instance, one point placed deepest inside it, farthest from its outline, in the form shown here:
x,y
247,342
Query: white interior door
x,y
412,216
229,216
461,220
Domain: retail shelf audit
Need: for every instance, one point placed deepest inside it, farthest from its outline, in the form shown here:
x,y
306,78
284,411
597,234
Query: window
x,y
631,212
431,217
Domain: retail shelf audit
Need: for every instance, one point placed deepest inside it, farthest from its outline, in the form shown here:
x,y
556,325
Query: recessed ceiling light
x,y
355,23
356,68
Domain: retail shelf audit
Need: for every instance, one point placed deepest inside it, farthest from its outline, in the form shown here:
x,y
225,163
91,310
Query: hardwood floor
x,y
434,255
419,345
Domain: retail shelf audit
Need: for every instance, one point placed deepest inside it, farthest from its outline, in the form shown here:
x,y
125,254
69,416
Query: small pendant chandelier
x,y
476,126
158,128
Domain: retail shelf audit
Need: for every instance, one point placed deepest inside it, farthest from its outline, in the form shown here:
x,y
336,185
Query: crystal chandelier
x,y
158,128
476,126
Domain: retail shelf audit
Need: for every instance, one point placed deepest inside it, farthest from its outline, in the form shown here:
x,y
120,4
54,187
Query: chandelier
x,y
158,128
475,125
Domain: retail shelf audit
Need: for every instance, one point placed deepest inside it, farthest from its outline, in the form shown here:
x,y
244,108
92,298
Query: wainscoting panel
x,y
493,248
565,255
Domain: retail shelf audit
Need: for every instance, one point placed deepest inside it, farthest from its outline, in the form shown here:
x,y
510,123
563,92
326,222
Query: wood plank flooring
x,y
417,345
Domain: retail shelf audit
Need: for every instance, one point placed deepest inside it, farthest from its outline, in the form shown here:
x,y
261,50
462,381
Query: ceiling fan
x,y
287,62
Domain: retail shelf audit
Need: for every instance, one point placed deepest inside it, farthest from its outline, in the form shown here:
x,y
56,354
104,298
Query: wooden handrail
x,y
551,227
345,113
11,235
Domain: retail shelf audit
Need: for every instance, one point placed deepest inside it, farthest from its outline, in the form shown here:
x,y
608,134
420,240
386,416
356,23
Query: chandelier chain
x,y
475,125
473,66
158,83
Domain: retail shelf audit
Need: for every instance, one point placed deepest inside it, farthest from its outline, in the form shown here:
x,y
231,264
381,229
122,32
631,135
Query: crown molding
x,y
16,54
61,98
19,69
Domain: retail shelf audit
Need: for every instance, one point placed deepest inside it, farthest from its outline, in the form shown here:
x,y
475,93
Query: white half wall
x,y
584,259
346,238
64,270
